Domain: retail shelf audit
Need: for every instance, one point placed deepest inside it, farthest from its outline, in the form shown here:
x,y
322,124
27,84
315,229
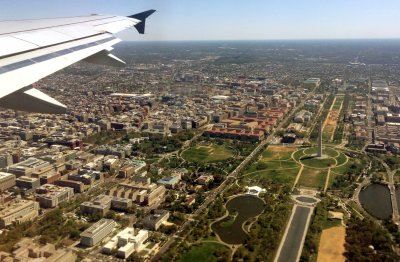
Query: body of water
x,y
241,209
375,199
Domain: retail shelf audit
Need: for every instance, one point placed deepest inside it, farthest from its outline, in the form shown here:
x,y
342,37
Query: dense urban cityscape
x,y
210,151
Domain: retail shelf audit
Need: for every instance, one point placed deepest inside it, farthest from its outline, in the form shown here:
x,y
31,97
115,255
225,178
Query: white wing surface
x,y
33,49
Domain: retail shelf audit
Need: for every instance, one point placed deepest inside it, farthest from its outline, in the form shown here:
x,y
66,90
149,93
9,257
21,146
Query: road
x,y
392,188
292,242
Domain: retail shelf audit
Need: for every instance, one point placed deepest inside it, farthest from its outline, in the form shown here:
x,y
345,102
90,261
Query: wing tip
x,y
142,17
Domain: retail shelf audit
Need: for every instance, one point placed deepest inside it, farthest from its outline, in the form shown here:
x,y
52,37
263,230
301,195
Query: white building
x,y
97,232
126,242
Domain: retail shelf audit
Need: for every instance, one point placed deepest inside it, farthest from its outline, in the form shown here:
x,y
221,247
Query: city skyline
x,y
177,20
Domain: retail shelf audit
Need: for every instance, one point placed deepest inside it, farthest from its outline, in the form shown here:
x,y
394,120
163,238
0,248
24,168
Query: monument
x,y
319,151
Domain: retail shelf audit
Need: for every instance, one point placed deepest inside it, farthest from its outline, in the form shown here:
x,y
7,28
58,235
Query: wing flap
x,y
32,100
105,58
43,37
10,45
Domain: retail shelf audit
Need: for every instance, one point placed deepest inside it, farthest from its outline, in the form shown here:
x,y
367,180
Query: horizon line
x,y
272,39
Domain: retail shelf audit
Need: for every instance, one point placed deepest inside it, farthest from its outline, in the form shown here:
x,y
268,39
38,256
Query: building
x,y
312,82
49,178
25,250
28,183
51,195
95,233
7,181
155,219
18,211
170,181
387,133
77,186
5,160
204,179
122,204
140,191
126,242
100,205
288,138
29,166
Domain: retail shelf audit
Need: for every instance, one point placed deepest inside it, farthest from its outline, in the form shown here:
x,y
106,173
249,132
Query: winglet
x,y
142,17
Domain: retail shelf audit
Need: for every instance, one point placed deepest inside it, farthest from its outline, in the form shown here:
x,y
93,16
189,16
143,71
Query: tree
x,y
111,214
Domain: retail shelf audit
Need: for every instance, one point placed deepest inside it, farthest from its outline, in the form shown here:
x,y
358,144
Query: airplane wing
x,y
33,49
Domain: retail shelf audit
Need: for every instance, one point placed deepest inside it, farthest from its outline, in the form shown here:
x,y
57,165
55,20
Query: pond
x,y
375,199
241,209
304,199
398,197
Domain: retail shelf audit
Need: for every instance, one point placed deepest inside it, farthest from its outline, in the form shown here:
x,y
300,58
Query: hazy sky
x,y
231,19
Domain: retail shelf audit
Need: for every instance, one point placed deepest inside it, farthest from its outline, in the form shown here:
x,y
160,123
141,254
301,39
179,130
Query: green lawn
x,y
341,159
281,176
281,164
396,177
204,154
318,163
327,133
342,169
297,155
204,252
278,153
326,151
337,104
332,177
314,178
276,165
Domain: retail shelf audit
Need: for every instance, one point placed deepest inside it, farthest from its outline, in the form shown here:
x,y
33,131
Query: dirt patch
x,y
331,245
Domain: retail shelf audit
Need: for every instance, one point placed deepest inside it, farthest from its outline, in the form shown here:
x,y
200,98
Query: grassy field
x,y
396,177
318,163
205,154
332,177
278,153
338,103
332,119
341,159
281,176
325,151
203,252
314,178
276,164
343,167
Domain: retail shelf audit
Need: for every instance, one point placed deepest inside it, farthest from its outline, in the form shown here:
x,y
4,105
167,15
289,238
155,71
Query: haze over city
x,y
211,131
232,19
